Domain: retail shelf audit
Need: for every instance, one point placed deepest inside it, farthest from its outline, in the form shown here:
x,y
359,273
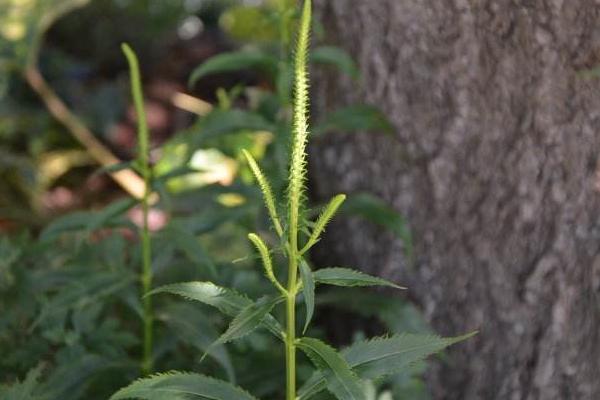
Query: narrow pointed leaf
x,y
248,319
114,210
340,379
323,220
379,356
266,190
384,356
233,61
181,386
110,216
349,278
228,301
308,289
69,381
225,300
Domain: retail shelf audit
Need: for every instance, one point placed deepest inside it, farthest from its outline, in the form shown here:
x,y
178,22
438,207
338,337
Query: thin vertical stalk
x,y
290,335
297,171
144,166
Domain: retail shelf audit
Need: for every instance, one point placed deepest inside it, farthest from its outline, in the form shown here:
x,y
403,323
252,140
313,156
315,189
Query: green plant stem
x,y
144,165
290,336
292,290
146,287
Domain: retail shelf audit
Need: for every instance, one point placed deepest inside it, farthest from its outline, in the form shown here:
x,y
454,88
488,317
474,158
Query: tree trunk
x,y
494,164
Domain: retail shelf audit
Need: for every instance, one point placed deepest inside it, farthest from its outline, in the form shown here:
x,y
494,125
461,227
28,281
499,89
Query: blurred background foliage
x,y
217,78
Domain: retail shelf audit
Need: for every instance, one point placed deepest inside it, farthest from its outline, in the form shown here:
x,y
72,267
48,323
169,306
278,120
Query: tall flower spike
x,y
323,220
266,190
300,128
266,260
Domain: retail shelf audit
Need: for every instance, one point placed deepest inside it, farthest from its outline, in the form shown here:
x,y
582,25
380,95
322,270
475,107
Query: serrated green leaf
x,y
377,211
234,61
336,57
308,289
349,278
341,380
358,118
181,386
249,318
323,220
228,301
384,356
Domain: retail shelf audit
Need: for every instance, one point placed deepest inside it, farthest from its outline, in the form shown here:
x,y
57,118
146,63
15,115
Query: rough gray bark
x,y
493,163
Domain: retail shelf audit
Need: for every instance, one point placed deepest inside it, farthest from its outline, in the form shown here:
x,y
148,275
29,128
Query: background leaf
x,y
234,61
24,390
220,122
335,56
225,300
194,327
377,211
357,118
190,246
